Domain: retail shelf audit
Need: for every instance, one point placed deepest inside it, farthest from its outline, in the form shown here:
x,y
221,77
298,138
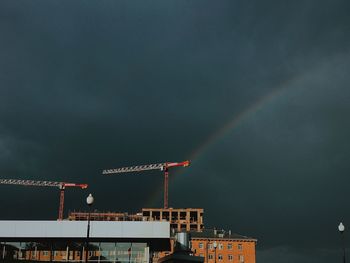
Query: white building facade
x,y
65,241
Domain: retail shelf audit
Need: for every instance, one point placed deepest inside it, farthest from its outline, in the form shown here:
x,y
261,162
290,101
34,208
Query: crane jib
x,y
160,166
147,167
30,182
41,183
138,168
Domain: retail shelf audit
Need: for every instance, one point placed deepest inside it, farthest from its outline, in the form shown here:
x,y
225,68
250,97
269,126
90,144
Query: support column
x,y
4,250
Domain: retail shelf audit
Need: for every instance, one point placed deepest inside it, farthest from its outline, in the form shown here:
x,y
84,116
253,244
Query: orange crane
x,y
61,185
159,166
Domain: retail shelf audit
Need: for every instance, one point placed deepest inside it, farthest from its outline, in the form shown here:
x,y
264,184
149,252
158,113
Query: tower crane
x,y
159,166
61,185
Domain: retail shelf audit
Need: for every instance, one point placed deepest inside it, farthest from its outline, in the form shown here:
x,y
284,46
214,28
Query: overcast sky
x,y
255,93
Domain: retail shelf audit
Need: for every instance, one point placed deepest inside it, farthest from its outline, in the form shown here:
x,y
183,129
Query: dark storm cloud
x,y
284,160
92,85
300,255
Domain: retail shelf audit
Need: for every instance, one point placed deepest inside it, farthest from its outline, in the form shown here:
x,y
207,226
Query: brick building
x,y
218,246
223,246
215,246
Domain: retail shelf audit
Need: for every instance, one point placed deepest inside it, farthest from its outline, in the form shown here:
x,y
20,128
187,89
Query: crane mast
x,y
61,185
159,166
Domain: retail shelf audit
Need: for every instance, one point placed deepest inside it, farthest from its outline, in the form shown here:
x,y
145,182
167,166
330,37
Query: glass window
x,y
210,256
103,252
10,251
229,246
106,251
221,246
200,245
230,257
241,258
240,247
220,257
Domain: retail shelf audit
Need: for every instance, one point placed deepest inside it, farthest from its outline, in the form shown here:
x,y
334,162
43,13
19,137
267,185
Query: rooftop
x,y
157,234
219,234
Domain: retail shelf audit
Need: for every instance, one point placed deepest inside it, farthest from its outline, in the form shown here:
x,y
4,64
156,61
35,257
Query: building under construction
x,y
181,219
104,216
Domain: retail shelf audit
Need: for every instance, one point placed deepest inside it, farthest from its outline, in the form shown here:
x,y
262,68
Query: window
x,y
78,253
45,253
240,247
201,255
230,257
210,256
220,257
210,246
56,253
90,254
221,246
200,245
229,246
241,258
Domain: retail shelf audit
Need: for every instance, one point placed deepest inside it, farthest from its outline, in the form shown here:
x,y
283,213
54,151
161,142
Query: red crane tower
x,y
61,185
159,166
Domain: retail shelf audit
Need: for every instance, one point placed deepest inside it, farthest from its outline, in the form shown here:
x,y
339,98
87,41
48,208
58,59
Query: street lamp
x,y
215,246
341,229
89,201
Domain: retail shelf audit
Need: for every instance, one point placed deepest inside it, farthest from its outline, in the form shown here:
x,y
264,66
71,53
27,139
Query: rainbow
x,y
232,124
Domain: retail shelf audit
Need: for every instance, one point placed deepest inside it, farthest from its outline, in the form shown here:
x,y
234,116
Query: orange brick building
x,y
219,246
223,246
